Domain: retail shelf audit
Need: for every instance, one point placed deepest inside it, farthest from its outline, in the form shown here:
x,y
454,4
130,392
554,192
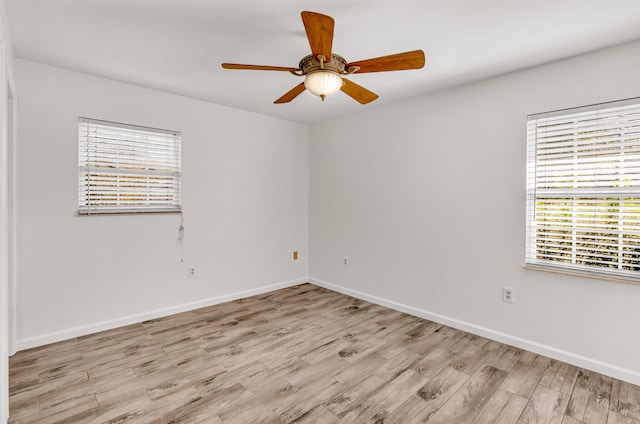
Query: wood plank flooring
x,y
305,355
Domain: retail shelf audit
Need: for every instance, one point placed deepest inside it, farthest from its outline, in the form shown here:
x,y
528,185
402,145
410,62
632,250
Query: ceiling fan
x,y
324,70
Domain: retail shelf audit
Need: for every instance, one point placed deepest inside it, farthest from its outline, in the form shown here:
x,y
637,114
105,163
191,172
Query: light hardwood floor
x,y
305,355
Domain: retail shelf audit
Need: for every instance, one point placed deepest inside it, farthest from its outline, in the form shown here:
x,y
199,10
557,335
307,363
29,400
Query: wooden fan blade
x,y
395,62
291,94
257,67
357,92
319,29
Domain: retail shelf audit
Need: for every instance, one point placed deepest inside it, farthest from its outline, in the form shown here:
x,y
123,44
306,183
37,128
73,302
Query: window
x,y
583,190
125,168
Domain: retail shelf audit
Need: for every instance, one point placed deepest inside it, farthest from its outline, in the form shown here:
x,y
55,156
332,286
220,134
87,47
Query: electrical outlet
x,y
295,255
345,262
192,272
507,294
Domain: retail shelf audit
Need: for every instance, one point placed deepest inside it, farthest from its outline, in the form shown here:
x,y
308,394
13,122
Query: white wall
x,y
427,200
245,203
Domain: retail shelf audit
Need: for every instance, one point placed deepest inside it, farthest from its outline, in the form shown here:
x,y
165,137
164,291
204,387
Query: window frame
x,y
127,169
604,195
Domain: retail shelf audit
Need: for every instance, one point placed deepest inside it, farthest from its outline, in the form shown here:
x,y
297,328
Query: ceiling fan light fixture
x,y
323,83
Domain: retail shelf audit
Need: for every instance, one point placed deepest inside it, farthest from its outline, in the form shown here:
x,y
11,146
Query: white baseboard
x,y
624,374
614,371
57,336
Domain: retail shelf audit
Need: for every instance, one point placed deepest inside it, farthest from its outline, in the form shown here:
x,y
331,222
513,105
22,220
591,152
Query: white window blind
x,y
583,190
124,168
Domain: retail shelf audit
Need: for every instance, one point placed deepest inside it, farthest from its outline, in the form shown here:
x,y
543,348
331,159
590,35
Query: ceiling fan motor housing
x,y
310,64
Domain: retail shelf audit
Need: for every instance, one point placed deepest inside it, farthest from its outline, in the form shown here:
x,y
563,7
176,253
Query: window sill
x,y
83,214
583,274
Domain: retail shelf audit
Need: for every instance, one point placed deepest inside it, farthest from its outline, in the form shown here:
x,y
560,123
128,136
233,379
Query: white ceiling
x,y
178,45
